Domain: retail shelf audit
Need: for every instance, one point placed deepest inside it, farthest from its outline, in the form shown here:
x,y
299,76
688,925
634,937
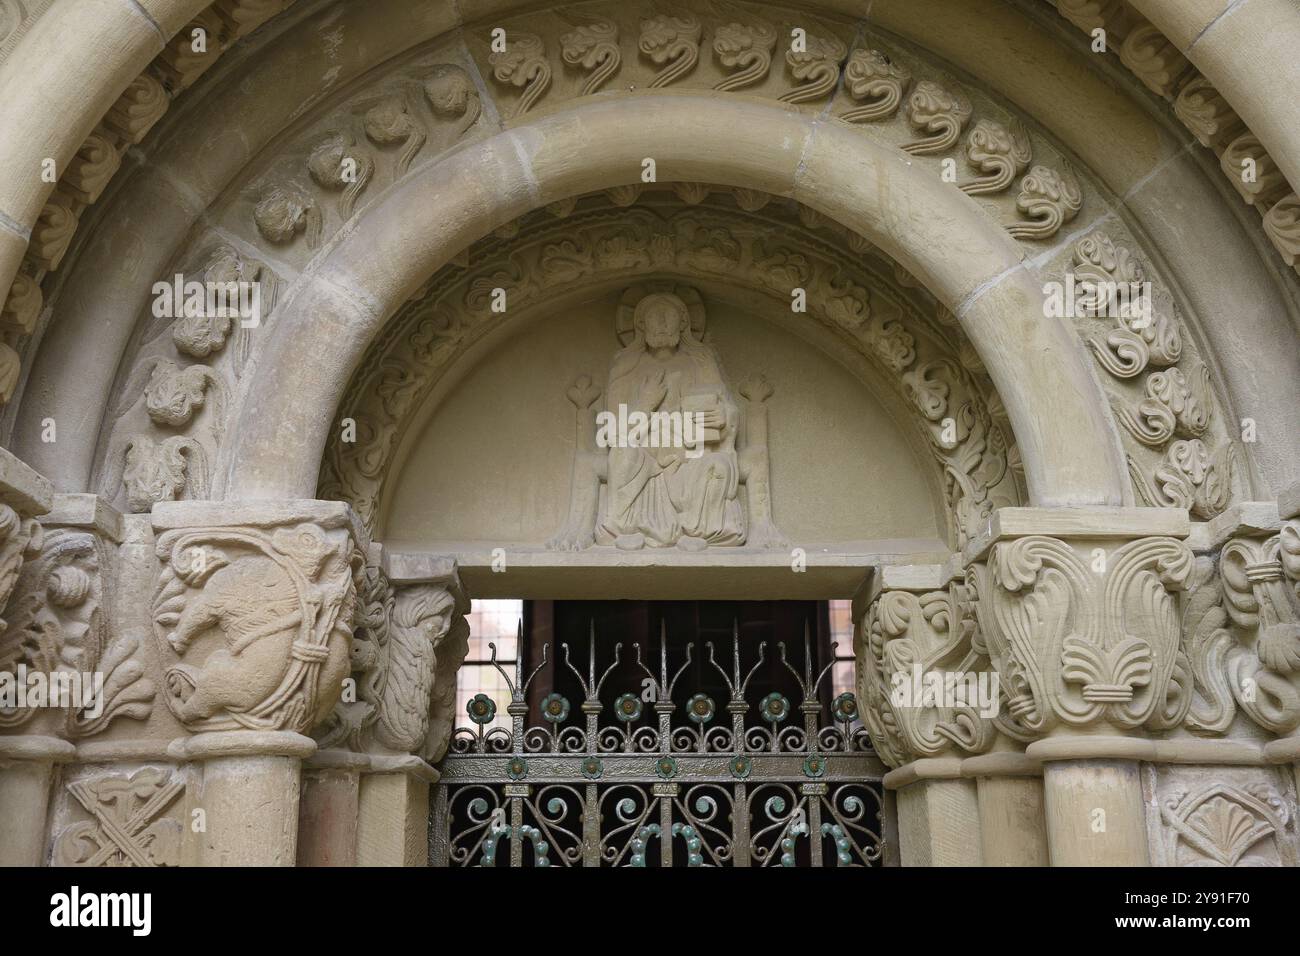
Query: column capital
x,y
410,640
1079,613
926,688
253,611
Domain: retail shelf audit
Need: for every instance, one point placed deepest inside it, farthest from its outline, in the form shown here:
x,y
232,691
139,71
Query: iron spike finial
x,y
735,651
663,653
519,654
807,656
591,655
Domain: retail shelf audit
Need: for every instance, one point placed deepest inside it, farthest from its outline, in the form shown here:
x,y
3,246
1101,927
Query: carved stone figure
x,y
282,604
660,491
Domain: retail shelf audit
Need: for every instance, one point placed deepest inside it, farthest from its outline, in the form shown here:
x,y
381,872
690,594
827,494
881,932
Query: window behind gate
x,y
627,733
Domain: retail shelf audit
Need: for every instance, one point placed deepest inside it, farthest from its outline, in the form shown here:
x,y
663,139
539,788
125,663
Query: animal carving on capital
x,y
670,458
268,613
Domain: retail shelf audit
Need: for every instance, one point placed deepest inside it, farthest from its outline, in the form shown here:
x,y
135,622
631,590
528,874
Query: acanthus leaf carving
x,y
1282,226
593,46
1190,476
1078,647
816,67
872,78
745,49
1049,199
672,43
523,64
940,114
1000,153
1207,115
1175,404
168,470
1154,60
59,624
1253,173
337,163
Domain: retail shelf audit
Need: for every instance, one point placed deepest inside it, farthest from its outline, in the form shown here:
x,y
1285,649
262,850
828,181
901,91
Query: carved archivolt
x,y
257,622
1179,453
1208,116
186,57
172,407
962,424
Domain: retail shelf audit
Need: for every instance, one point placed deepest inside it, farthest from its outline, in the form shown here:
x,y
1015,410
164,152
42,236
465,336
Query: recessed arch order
x,y
324,323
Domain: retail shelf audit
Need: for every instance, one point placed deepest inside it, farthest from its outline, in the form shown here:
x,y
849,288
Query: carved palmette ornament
x,y
272,609
58,623
907,636
1223,825
1083,638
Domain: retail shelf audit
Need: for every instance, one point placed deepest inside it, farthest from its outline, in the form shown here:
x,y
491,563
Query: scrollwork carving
x,y
672,43
1049,199
817,67
939,113
593,46
1081,647
1000,153
746,50
1190,476
872,78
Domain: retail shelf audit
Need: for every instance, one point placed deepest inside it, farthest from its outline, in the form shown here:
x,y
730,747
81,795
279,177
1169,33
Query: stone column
x,y
938,814
1013,827
26,775
327,813
26,761
1078,611
393,815
248,790
254,607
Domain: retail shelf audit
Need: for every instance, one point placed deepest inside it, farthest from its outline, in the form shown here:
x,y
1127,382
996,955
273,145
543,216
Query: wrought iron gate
x,y
736,785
